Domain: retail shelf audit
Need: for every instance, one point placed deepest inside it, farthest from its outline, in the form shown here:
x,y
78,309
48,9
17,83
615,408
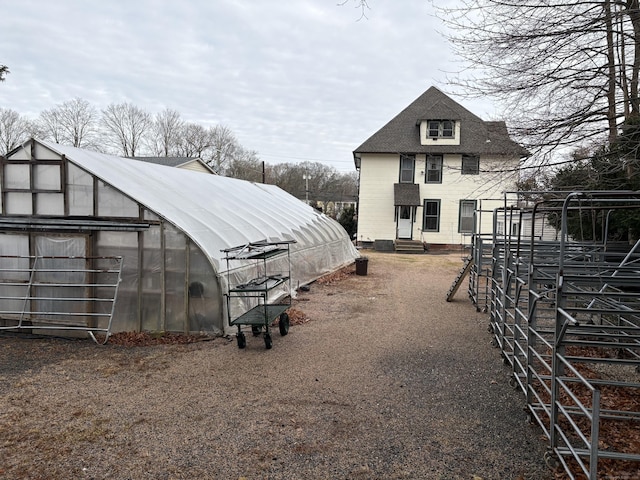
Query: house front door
x,y
405,223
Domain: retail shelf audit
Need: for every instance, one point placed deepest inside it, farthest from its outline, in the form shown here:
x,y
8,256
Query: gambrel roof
x,y
477,137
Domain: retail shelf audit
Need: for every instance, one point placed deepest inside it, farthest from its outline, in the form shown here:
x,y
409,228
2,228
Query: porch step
x,y
409,246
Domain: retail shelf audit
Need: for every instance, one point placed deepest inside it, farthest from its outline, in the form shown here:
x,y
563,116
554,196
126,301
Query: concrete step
x,y
409,246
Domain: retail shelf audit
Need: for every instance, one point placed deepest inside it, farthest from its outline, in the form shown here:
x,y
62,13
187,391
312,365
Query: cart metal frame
x,y
255,293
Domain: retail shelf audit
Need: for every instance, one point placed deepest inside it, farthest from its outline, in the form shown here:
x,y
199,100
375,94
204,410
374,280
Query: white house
x,y
422,174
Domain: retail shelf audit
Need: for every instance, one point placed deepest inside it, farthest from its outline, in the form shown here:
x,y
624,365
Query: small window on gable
x,y
434,128
447,128
470,165
441,128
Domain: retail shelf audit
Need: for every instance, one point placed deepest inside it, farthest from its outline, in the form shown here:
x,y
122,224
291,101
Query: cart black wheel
x,y
256,329
283,323
268,343
242,340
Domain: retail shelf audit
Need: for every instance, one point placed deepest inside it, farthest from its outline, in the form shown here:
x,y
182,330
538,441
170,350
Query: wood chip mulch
x,y
143,339
337,276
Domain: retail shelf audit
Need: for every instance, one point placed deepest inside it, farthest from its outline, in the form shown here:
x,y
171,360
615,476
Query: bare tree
x,y
3,72
126,126
34,129
74,123
194,140
346,187
246,165
324,182
567,72
14,129
223,149
165,133
129,128
50,122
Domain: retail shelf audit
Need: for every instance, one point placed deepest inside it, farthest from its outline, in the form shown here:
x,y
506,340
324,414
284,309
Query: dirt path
x,y
385,381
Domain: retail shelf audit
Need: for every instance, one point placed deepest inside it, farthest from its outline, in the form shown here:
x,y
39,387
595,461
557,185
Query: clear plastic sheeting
x,y
205,297
124,244
175,259
217,212
169,225
151,280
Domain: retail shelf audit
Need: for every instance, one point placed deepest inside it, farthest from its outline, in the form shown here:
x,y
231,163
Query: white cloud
x,y
303,79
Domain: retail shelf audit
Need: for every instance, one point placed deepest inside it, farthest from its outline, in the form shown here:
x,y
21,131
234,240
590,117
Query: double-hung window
x,y
470,165
431,221
407,167
466,220
434,169
441,128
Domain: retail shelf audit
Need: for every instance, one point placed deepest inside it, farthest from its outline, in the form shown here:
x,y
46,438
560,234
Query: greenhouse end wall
x,y
160,264
156,293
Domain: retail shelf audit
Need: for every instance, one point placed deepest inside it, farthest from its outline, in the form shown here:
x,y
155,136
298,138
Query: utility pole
x,y
305,177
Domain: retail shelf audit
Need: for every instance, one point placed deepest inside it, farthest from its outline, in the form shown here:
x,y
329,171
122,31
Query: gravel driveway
x,y
385,381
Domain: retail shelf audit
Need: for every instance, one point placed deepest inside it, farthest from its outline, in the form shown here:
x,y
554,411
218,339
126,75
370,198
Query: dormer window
x,y
441,128
439,132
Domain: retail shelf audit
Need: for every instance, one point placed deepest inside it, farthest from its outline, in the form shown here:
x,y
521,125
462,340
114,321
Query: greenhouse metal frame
x,y
168,225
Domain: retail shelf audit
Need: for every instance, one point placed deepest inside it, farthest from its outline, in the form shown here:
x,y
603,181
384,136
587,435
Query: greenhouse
x,y
96,242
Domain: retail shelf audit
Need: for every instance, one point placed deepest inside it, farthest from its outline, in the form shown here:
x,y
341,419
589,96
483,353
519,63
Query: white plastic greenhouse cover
x,y
219,212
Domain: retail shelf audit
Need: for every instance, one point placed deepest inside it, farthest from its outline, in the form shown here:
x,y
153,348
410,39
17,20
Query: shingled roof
x,y
166,161
406,194
477,137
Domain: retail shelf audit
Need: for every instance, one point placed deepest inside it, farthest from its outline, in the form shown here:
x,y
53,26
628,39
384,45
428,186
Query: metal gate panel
x,y
59,293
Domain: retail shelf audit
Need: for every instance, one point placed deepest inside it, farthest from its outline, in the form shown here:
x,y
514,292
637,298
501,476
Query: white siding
x,y
426,140
195,166
378,173
376,215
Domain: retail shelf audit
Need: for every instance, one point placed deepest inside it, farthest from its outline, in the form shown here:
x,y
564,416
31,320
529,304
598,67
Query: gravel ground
x,y
385,381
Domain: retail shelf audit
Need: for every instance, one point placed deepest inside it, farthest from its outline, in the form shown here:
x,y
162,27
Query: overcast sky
x,y
293,79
